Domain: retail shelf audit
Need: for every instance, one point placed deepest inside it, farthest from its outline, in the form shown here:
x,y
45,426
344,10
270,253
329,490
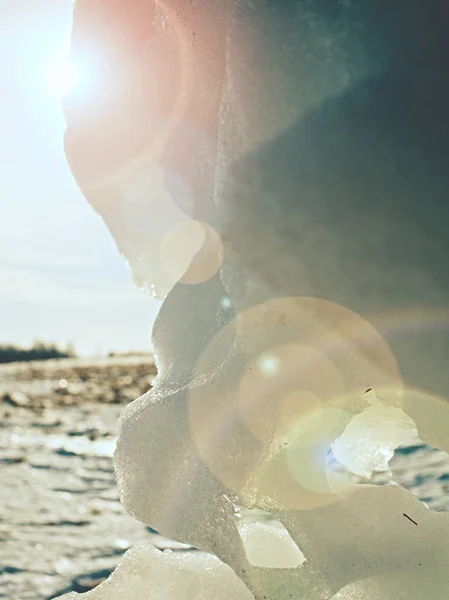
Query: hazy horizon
x,y
61,276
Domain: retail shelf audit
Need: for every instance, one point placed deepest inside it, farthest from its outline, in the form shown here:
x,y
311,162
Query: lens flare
x,y
297,376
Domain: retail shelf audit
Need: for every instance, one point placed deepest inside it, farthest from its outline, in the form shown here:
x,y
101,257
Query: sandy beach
x,y
62,526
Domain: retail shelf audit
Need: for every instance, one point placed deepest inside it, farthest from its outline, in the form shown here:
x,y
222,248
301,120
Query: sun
x,y
64,77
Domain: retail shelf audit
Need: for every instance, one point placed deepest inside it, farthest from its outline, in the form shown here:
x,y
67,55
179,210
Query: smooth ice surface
x,y
269,545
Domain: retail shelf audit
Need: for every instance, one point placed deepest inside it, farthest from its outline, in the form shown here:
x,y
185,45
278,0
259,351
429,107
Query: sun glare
x,y
64,78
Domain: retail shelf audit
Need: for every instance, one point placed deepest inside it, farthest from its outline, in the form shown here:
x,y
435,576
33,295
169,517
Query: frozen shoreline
x,y
62,526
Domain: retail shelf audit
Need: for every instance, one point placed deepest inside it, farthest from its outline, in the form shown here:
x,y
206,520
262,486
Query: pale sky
x,y
61,277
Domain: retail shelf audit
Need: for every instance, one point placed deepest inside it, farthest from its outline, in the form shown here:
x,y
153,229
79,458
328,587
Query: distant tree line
x,y
38,351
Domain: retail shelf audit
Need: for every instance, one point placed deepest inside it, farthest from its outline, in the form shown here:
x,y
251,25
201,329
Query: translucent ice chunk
x,y
255,382
145,572
269,545
370,439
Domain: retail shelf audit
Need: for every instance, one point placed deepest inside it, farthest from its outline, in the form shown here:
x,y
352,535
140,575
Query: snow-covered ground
x,y
62,526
